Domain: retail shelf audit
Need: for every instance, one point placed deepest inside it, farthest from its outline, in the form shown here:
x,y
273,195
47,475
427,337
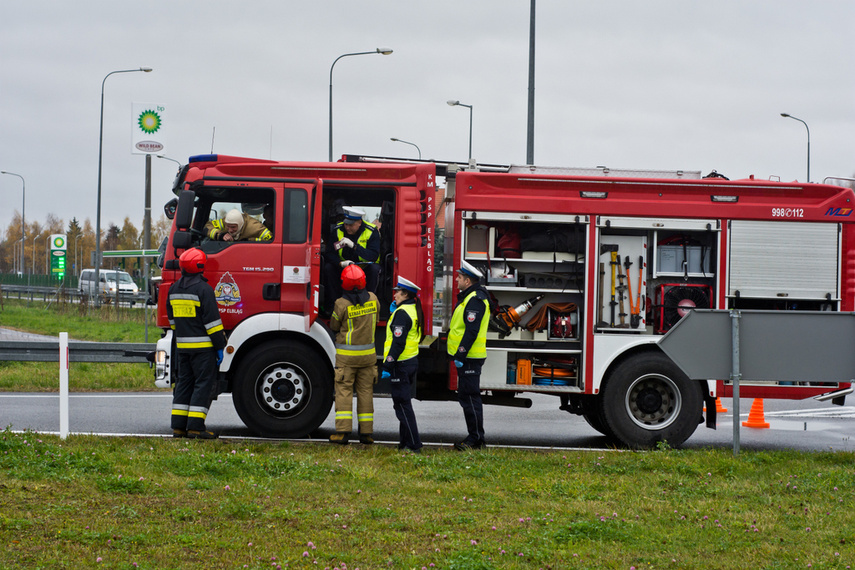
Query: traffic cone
x,y
755,416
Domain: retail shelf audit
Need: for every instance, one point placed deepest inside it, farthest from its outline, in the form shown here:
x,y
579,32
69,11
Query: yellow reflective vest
x,y
367,230
458,327
411,348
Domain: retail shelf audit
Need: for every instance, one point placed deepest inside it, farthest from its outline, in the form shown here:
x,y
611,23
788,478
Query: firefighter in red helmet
x,y
354,319
199,342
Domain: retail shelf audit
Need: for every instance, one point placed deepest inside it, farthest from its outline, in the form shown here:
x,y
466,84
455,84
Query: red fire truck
x,y
587,268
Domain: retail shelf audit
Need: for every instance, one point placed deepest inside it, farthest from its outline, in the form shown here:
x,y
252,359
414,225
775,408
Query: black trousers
x,y
403,376
469,396
194,391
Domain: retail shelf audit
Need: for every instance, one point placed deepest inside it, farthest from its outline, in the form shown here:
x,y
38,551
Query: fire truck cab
x,y
278,363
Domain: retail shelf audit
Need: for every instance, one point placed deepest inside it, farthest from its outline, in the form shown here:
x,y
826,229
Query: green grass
x,y
163,503
81,323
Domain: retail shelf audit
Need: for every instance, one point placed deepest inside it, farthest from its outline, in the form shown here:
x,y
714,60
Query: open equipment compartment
x,y
534,267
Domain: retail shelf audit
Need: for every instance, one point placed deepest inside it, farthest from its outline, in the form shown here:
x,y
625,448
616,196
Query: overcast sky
x,y
662,84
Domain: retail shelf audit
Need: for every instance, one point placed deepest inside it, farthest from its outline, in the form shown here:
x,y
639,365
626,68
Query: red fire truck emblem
x,y
227,291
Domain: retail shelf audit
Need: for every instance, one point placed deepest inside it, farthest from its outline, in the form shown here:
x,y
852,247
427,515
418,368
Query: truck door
x,y
301,249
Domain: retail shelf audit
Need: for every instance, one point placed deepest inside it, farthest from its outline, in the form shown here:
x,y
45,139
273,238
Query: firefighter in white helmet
x,y
237,226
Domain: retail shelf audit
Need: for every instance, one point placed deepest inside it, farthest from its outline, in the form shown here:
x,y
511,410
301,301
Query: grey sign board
x,y
789,346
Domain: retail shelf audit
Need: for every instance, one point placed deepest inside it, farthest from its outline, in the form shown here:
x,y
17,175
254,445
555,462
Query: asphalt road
x,y
800,425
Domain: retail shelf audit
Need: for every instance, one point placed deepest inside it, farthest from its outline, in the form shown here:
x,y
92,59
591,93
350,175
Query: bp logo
x,y
149,122
227,291
59,242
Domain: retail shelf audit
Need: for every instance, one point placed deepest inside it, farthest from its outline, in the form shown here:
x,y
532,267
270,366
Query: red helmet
x,y
192,261
352,278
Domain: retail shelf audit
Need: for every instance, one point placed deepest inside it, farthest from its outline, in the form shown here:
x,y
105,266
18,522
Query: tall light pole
x,y
409,143
380,50
23,220
788,116
100,156
529,152
454,103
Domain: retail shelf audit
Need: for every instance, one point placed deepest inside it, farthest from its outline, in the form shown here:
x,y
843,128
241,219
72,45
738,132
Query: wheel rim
x,y
653,402
283,389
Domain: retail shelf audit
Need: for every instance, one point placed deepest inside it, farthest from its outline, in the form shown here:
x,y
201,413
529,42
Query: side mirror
x,y
184,212
170,207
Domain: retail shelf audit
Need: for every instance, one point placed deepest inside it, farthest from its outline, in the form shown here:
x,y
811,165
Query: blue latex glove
x,y
392,307
385,374
219,357
458,364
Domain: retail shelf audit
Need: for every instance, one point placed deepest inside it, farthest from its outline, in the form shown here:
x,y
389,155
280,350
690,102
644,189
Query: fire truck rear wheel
x,y
283,390
647,399
596,421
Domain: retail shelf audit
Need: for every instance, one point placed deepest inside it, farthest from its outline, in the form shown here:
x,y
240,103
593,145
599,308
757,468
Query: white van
x,y
128,290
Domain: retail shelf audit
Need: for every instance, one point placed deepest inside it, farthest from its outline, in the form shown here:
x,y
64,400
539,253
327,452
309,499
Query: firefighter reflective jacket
x,y
354,323
251,230
193,315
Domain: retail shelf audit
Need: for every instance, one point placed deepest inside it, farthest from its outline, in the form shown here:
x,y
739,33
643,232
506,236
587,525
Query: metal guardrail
x,y
78,351
32,293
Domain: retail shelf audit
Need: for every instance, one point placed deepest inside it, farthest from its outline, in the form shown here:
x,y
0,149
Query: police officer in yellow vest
x,y
400,358
352,241
354,320
467,346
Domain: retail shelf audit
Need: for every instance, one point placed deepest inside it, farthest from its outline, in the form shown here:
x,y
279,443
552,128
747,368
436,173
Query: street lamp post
x,y
380,50
164,157
23,219
100,156
788,116
454,103
409,143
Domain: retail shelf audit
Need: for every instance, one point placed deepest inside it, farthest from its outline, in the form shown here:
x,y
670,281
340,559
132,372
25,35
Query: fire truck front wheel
x,y
282,390
647,399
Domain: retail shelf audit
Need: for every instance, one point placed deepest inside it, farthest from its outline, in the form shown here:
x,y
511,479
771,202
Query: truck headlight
x,y
161,370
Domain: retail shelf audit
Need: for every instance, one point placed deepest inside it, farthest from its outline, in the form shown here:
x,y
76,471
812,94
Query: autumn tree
x,y
10,254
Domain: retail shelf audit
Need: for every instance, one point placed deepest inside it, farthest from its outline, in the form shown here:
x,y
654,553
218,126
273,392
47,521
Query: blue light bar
x,y
203,158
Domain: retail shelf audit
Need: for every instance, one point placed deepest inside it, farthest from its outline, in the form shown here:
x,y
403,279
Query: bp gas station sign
x,y
58,254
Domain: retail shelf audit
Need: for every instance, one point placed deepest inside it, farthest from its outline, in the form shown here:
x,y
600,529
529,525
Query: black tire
x,y
647,399
283,390
596,421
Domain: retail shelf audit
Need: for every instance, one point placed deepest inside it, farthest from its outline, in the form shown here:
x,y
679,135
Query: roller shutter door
x,y
795,260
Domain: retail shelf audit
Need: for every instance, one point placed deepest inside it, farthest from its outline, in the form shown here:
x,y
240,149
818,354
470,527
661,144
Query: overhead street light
x,y
409,143
163,156
23,220
788,116
380,50
454,103
100,155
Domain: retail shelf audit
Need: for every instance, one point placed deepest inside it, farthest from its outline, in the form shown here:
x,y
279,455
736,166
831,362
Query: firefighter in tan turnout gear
x,y
354,320
237,226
